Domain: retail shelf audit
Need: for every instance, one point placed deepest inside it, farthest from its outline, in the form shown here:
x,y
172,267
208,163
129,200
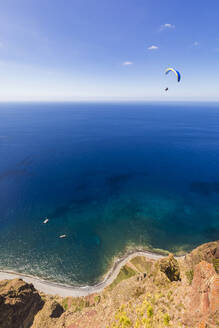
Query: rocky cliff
x,y
19,303
170,292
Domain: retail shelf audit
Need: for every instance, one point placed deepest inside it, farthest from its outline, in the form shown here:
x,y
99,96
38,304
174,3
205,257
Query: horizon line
x,y
108,100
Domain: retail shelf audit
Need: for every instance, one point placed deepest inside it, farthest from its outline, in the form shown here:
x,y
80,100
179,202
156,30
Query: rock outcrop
x,y
48,315
204,296
19,303
170,267
208,252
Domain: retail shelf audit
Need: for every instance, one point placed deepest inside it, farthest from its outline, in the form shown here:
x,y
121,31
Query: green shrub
x,y
97,299
166,319
65,304
123,320
189,276
150,311
216,265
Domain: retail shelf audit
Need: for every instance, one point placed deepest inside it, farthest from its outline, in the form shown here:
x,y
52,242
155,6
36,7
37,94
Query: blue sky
x,y
108,49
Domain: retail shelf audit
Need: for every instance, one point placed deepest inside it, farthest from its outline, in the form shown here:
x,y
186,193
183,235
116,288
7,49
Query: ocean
x,y
111,177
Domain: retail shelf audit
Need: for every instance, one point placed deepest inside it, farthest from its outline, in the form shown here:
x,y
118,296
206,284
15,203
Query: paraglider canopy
x,y
178,75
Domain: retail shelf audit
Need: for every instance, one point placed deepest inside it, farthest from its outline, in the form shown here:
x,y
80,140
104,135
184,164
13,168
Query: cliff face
x,y
207,252
204,297
146,294
48,316
19,303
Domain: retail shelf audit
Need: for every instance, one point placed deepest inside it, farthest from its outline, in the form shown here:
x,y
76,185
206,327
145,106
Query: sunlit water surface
x,y
109,176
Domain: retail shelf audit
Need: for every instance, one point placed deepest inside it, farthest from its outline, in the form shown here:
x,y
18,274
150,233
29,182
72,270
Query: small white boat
x,y
62,236
46,221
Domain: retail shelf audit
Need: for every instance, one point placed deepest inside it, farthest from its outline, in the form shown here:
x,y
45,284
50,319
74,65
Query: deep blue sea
x,y
110,177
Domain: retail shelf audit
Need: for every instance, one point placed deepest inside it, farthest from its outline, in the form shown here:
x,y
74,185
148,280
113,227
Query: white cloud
x,y
153,48
196,43
167,26
127,63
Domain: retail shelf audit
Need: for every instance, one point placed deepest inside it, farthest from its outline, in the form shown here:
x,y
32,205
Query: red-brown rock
x,y
19,303
204,294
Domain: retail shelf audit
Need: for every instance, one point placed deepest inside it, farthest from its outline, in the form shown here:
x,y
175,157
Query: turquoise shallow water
x,y
109,176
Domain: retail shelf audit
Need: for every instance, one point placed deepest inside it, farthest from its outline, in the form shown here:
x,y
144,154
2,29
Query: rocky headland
x,y
146,293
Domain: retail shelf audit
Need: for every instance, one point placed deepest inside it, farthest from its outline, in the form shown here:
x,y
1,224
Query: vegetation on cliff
x,y
170,292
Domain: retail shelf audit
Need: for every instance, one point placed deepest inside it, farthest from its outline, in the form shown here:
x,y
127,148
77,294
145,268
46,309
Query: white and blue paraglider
x,y
178,75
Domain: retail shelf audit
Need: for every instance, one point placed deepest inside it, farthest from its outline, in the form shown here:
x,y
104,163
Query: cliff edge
x,y
168,292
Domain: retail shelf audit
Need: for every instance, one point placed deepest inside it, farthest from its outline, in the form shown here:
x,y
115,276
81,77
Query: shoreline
x,y
53,288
